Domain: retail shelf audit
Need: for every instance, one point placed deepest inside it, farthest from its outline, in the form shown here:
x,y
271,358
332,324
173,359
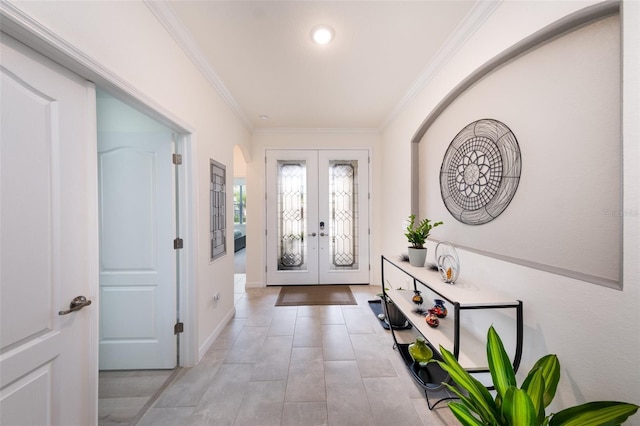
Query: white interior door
x,y
48,242
137,258
317,217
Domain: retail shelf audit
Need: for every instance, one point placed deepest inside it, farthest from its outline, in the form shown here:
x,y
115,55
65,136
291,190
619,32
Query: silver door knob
x,y
76,304
322,234
313,234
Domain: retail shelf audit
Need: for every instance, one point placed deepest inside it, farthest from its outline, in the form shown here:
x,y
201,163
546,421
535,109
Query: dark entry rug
x,y
376,307
303,295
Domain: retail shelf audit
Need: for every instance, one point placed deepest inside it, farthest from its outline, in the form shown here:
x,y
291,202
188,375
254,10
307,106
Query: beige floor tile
x,y
221,402
247,347
389,402
304,413
372,359
305,382
273,363
262,404
336,344
120,410
347,402
302,366
307,332
283,322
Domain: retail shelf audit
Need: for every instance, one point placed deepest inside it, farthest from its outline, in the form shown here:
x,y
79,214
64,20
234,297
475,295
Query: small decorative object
x,y
418,300
392,315
439,308
432,318
417,235
480,172
420,352
447,261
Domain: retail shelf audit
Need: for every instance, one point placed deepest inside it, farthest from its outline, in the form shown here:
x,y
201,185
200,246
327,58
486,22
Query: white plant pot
x,y
417,256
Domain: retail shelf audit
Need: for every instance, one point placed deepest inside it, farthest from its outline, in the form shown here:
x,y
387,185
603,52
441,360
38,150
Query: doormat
x,y
376,307
304,295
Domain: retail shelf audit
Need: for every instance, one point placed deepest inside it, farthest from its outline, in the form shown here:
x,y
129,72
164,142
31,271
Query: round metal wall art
x,y
480,172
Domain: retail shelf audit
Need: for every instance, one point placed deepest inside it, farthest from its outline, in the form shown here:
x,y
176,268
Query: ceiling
x,y
260,56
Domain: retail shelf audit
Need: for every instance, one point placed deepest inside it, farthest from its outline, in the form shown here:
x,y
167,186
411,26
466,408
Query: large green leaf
x,y
499,364
600,413
535,389
550,368
462,397
480,398
518,409
463,414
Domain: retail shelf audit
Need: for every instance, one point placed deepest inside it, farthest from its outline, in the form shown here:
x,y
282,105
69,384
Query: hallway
x,y
305,365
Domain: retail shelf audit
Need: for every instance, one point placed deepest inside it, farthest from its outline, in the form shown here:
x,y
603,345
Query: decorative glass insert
x,y
292,185
217,197
343,205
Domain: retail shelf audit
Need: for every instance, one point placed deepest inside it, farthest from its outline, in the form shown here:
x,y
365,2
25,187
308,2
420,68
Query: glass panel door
x,y
317,217
292,204
343,190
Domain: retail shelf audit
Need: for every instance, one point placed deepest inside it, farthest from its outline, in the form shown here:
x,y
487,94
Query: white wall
x,y
126,39
296,139
562,102
594,330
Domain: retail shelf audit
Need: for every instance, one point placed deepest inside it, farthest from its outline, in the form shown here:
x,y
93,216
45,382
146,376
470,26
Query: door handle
x,y
313,234
322,234
76,304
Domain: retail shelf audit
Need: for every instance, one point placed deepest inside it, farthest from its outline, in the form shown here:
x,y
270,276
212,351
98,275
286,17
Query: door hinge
x,y
178,328
178,243
177,158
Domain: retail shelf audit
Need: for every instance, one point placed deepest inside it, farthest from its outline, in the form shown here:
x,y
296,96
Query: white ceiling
x,y
260,56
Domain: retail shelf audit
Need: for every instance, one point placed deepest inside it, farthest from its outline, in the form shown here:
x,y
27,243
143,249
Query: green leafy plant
x,y
418,234
526,405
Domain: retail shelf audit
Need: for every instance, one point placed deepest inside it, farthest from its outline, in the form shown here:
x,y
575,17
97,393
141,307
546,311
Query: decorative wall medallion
x,y
480,172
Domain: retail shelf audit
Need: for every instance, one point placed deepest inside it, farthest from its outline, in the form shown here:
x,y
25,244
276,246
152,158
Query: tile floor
x,y
125,395
302,366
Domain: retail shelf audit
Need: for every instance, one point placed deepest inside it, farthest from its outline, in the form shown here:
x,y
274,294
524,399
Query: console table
x,y
400,280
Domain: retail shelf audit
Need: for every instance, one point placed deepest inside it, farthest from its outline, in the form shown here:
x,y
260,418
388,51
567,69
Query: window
x,y
217,174
239,202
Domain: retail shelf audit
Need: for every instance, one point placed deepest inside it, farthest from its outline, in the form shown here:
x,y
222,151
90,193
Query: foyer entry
x,y
317,217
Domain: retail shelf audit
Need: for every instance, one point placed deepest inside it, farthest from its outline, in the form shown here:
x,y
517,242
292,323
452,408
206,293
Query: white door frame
x,y
25,29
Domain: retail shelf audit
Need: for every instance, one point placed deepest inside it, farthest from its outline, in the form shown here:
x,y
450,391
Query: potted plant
x,y
417,234
524,405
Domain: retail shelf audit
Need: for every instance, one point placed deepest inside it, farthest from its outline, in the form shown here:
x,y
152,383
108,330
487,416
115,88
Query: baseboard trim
x,y
206,345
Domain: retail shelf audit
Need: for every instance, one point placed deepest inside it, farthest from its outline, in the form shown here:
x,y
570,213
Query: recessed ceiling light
x,y
265,117
322,34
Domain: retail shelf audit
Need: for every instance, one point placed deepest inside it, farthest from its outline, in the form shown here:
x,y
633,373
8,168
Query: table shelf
x,y
460,298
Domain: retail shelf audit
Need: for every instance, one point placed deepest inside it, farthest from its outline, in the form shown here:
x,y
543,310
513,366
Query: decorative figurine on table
x,y
420,352
447,262
432,318
439,308
418,300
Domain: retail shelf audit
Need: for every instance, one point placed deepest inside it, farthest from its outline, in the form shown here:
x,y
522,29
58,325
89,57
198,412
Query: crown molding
x,y
165,14
24,28
473,20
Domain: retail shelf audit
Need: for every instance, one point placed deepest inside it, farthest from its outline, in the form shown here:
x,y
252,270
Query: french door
x,y
317,217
